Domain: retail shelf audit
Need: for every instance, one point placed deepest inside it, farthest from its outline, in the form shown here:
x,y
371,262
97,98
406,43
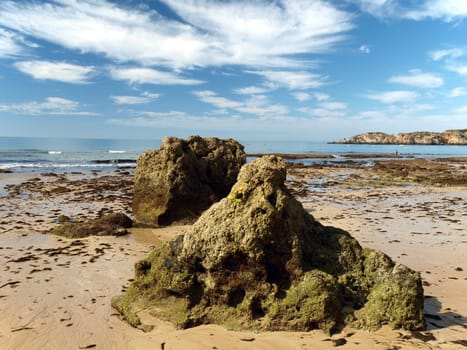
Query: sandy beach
x,y
55,293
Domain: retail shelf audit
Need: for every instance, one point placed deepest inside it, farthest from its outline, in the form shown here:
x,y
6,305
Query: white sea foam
x,y
15,165
116,151
54,152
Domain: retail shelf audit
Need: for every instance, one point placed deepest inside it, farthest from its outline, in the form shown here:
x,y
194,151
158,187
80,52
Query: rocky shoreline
x,y
55,293
448,137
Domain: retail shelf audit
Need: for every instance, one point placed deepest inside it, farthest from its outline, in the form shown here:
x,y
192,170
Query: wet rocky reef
x,y
258,260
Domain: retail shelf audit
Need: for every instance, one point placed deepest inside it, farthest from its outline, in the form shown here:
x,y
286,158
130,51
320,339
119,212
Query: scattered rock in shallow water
x,y
114,224
182,178
257,260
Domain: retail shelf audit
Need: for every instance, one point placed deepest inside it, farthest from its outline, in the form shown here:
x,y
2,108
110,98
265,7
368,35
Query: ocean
x,y
59,154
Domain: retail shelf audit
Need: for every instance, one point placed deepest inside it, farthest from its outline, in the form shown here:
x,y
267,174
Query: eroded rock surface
x,y
448,137
182,178
258,260
114,224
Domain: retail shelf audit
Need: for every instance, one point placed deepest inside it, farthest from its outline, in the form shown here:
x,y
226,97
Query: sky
x,y
310,70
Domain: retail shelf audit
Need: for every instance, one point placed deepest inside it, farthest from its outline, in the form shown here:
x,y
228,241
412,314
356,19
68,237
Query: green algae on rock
x,y
257,260
114,224
182,178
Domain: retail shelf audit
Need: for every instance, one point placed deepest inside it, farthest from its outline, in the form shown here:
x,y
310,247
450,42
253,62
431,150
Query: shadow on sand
x,y
436,318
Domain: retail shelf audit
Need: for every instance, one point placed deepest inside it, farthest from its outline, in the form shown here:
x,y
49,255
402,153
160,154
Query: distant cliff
x,y
448,137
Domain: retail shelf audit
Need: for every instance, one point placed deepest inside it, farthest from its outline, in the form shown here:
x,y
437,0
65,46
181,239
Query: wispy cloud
x,y
326,109
146,97
150,76
262,33
9,45
293,80
209,33
457,68
378,8
445,54
447,10
212,98
258,105
250,90
321,96
59,71
457,92
364,49
419,79
393,96
305,96
50,106
301,96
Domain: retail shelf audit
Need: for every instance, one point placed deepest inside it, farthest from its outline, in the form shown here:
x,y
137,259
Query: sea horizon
x,y
30,153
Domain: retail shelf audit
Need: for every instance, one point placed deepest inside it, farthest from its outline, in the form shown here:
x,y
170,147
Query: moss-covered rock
x,y
258,260
114,224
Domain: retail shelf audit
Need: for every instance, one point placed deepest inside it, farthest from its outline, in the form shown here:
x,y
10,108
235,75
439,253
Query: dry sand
x,y
55,293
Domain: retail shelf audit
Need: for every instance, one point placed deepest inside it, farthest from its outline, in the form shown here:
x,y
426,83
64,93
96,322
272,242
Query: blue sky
x,y
286,69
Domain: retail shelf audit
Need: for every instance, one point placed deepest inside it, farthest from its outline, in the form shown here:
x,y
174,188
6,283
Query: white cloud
x,y
457,68
301,96
418,79
334,105
446,10
59,71
365,49
323,112
305,96
211,97
150,76
393,96
321,97
457,92
379,8
261,106
293,80
209,33
444,54
327,109
251,90
146,97
262,33
9,45
50,106
258,105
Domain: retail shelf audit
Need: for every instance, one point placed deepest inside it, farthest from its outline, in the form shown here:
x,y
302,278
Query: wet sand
x,y
55,293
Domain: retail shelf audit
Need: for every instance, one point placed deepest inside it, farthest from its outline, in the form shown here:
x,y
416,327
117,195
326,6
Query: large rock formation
x,y
258,260
448,137
182,178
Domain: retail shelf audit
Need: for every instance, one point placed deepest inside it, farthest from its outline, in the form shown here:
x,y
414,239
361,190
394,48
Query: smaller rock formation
x,y
448,137
115,224
257,260
182,178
